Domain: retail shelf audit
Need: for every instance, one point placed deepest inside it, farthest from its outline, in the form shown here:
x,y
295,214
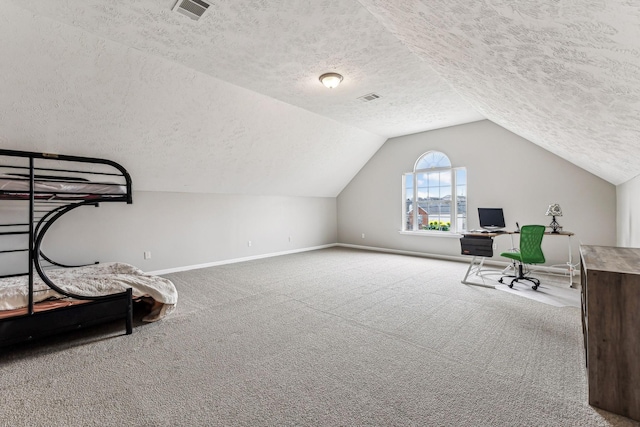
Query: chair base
x,y
521,276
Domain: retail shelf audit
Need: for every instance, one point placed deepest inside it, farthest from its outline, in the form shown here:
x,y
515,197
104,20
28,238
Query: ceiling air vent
x,y
369,97
194,9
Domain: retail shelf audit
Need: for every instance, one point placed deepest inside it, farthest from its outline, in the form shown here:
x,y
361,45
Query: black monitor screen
x,y
491,218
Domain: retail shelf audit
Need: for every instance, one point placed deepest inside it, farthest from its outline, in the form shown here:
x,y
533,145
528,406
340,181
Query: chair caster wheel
x,y
534,287
500,281
511,285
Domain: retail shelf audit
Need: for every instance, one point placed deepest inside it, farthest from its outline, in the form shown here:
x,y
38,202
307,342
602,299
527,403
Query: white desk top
x,y
475,233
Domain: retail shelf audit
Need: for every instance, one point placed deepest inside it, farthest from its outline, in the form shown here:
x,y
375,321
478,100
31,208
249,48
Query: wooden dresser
x,y
610,279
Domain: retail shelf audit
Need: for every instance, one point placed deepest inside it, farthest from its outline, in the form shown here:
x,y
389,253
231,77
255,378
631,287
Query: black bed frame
x,y
44,209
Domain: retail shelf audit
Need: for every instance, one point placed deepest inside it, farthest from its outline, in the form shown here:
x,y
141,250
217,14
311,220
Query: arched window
x,y
434,195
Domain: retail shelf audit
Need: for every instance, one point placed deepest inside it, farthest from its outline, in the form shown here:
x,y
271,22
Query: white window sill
x,y
427,233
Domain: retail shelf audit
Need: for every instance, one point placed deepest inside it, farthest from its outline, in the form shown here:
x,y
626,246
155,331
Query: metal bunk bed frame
x,y
97,309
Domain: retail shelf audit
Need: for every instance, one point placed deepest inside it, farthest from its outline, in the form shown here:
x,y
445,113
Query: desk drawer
x,y
480,246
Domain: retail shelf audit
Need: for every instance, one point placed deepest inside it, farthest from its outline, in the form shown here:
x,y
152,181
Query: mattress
x,y
17,185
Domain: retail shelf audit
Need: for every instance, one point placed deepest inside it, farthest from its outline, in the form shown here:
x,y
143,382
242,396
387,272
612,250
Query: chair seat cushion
x,y
512,255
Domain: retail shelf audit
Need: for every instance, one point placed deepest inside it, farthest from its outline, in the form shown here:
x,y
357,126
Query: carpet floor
x,y
333,337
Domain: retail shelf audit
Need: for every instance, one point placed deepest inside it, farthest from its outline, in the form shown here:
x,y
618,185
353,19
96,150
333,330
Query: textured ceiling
x,y
562,74
238,90
279,49
64,90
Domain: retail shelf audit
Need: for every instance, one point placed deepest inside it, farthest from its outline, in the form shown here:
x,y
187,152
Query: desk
x,y
477,262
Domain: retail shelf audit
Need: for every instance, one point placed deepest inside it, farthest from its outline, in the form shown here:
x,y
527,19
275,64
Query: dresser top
x,y
611,258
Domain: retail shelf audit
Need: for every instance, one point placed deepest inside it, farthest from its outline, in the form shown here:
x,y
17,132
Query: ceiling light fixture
x,y
331,80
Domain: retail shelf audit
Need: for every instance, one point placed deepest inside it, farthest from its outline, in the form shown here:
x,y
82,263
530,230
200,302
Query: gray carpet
x,y
335,337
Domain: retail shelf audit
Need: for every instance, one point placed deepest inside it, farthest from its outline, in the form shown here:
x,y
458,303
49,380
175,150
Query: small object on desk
x,y
554,210
517,227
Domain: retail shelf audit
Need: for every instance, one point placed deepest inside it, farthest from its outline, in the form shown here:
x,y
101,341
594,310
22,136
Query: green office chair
x,y
530,253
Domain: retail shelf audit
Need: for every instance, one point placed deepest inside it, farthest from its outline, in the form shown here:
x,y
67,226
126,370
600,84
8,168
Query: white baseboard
x,y
402,252
465,259
235,260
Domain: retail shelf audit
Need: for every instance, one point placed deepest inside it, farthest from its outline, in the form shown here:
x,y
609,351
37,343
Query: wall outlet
x,y
495,246
289,239
363,235
249,243
147,254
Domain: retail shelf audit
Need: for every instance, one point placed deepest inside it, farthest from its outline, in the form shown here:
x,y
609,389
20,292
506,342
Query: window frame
x,y
453,172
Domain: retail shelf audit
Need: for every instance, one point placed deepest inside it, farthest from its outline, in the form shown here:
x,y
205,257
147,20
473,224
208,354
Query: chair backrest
x,y
530,244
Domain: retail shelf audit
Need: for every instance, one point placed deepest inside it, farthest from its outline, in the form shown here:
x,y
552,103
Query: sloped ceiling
x,y
231,103
279,49
562,74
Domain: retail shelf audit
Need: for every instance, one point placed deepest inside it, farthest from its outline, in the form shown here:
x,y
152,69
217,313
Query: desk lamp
x,y
554,211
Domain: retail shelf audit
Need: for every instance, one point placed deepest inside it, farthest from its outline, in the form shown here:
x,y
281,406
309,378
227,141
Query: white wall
x,y
504,170
628,213
186,229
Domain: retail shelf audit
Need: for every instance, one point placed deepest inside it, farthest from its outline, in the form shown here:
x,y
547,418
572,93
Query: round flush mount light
x,y
331,80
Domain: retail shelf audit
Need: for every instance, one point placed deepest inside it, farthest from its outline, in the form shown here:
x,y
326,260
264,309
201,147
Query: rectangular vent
x,y
369,97
194,9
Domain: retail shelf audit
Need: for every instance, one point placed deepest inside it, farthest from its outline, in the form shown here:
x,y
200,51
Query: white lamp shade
x,y
331,80
554,210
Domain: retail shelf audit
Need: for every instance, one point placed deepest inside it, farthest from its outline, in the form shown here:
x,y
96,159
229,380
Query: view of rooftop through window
x,y
435,195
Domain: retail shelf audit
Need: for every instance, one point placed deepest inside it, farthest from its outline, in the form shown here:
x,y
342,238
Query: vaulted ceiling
x,y
231,103
562,74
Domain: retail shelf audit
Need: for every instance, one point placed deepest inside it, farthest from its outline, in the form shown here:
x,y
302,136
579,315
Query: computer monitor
x,y
491,218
